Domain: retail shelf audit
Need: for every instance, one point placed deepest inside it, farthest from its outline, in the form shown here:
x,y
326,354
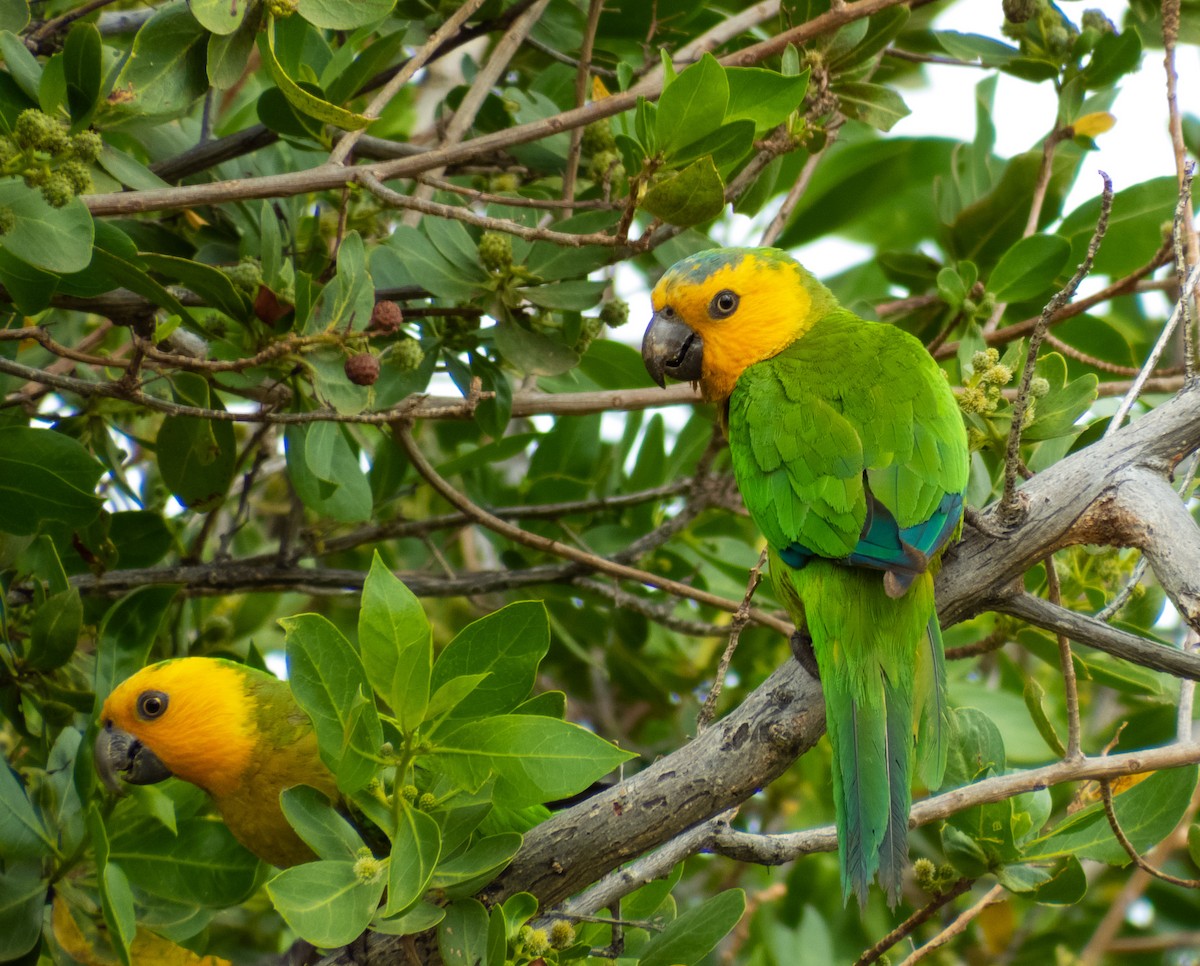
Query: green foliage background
x,y
188,467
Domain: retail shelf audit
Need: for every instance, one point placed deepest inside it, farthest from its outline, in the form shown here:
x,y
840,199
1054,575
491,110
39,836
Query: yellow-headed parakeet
x,y
851,457
234,731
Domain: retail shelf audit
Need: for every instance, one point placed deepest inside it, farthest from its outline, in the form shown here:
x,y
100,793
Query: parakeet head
x,y
189,717
721,310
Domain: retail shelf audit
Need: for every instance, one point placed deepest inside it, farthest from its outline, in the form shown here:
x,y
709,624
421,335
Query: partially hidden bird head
x,y
719,311
187,717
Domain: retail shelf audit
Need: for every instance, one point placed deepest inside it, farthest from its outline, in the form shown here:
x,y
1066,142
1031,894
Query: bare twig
x,y
795,193
921,916
1067,662
1110,812
1010,509
740,619
955,928
582,72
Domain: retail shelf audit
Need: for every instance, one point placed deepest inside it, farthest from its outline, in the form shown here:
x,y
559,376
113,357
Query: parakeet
x,y
234,731
851,457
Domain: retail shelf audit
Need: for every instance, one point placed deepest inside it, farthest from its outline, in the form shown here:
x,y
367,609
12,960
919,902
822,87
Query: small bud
x,y
362,369
1095,20
562,934
77,174
537,943
614,313
386,316
1019,11
57,190
246,276
386,750
1039,386
282,8
976,440
495,251
428,801
925,873
367,868
980,361
8,220
406,355
606,166
410,793
597,137
972,400
86,146
504,183
998,375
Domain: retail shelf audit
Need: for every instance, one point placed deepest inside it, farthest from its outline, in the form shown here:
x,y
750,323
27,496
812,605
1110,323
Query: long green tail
x,y
883,673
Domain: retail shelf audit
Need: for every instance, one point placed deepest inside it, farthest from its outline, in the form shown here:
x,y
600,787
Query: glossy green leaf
x,y
396,645
127,632
532,352
330,684
1029,268
692,105
219,16
45,476
344,14
29,289
1115,55
1146,812
326,902
321,826
507,645
478,864
345,494
22,835
1135,226
688,197
763,96
197,457
82,70
463,934
52,239
210,283
416,848
21,64
1066,402
229,55
422,916
165,71
300,98
55,630
21,903
873,104
14,15
536,759
688,939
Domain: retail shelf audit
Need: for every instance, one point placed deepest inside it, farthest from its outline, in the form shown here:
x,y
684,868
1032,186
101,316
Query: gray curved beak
x,y
671,349
120,756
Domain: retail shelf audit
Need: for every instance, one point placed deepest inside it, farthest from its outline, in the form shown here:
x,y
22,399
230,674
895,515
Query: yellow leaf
x,y
1093,124
599,91
194,220
147,948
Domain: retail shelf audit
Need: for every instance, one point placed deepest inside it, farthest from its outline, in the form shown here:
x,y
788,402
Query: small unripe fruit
x,y
614,313
504,182
597,137
406,355
410,793
8,220
562,934
1019,11
362,369
86,146
428,801
495,251
57,190
282,8
386,316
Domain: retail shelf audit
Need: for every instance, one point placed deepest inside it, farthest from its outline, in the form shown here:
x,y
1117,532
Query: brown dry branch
x,y
957,927
918,918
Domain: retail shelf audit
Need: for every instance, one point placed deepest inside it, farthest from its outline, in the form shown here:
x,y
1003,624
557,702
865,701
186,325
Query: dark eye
x,y
151,704
723,305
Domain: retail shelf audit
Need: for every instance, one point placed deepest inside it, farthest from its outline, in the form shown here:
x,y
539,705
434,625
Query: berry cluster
x,y
40,150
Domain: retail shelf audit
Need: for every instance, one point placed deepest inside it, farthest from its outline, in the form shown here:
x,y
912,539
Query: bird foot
x,y
802,651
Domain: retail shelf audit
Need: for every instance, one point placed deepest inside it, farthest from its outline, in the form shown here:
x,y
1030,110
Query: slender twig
x,y
910,925
460,501
1110,812
1010,509
1067,662
1155,354
582,74
795,193
740,619
993,642
515,201
1185,257
53,26
418,60
959,925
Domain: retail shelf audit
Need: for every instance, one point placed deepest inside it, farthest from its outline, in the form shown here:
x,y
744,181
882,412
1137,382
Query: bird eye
x,y
723,305
151,704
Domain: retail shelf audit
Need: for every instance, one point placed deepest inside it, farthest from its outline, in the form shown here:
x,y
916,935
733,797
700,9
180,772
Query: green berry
x,y
495,251
614,313
589,330
597,137
246,276
8,150
410,793
8,220
606,166
427,802
562,934
86,146
57,190
406,355
77,174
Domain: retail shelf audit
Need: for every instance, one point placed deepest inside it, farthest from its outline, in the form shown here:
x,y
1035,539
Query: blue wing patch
x,y
901,553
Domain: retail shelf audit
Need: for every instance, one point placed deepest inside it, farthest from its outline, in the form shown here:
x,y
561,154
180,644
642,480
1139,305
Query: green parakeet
x,y
851,457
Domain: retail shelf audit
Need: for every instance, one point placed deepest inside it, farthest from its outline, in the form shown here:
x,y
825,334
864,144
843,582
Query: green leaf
x,y
346,494
763,96
420,263
972,47
535,759
53,239
1135,226
1114,56
508,645
574,296
165,71
126,634
211,284
22,835
116,899
55,630
450,694
873,104
14,17
463,934
197,457
692,105
325,902
396,645
689,197
30,289
477,865
321,826
727,145
344,14
201,865
532,352
1056,413
346,302
416,848
422,916
82,70
22,65
693,935
45,475
1147,812
301,99
21,903
1066,885
330,684
228,55
1029,267
219,16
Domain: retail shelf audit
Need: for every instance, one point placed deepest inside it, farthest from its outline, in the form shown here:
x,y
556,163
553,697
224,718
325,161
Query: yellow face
x,y
192,714
745,305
